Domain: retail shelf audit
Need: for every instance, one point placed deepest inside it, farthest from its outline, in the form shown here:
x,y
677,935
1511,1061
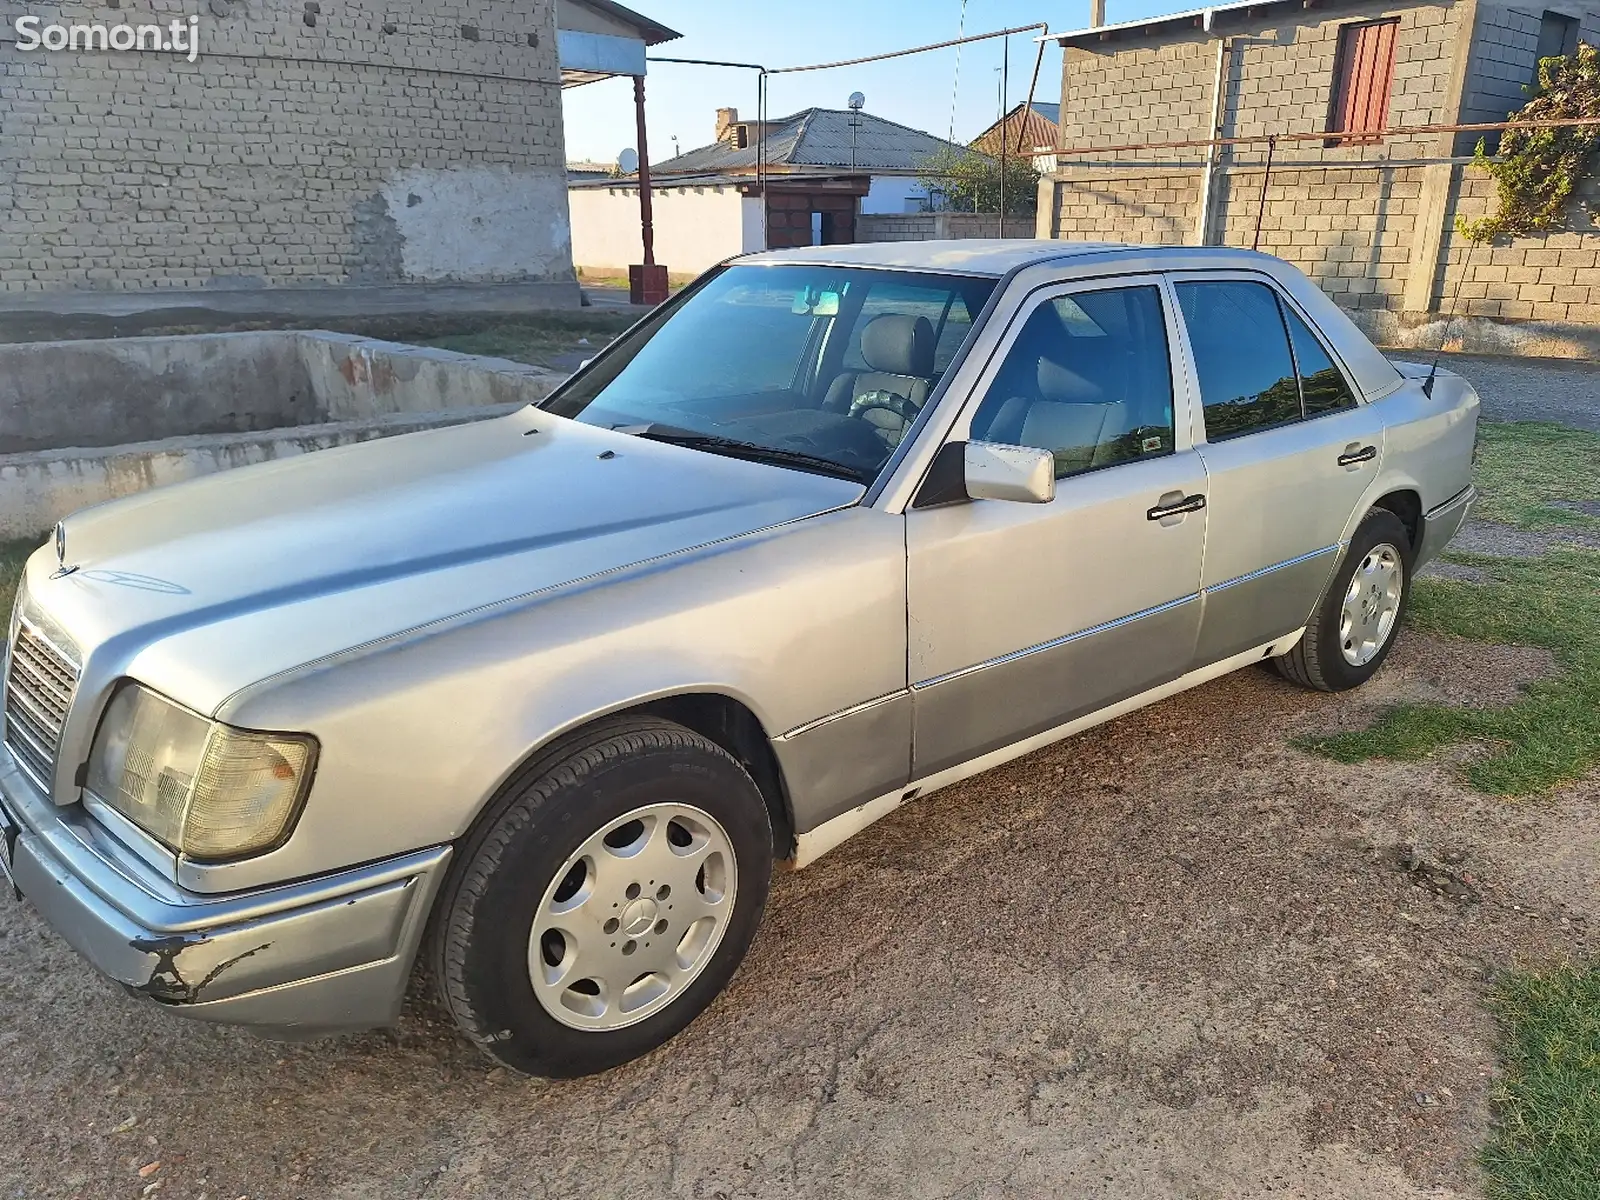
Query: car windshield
x,y
814,367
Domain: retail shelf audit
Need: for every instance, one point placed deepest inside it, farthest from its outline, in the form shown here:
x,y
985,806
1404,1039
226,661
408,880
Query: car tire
x,y
536,969
1356,622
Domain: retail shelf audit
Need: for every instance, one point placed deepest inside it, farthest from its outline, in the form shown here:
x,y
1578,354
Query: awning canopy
x,y
598,39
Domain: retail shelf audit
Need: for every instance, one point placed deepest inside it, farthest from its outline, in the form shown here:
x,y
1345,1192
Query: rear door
x,y
1289,452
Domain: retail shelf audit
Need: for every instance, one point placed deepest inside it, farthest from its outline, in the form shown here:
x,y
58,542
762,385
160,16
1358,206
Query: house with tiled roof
x,y
797,180
1031,130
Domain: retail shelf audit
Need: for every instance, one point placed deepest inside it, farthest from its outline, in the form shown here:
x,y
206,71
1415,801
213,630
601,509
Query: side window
x,y
1321,383
1241,353
1089,378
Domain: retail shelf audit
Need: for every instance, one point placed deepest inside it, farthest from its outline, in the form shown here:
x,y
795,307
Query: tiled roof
x,y
1039,127
818,137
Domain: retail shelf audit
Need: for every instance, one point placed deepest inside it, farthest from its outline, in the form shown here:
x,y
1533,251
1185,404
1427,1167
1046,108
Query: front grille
x,y
39,688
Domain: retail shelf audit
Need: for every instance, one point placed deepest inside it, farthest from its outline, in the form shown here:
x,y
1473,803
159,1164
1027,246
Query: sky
x,y
681,101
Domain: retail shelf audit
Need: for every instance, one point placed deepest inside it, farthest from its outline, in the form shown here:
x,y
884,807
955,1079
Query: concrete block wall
x,y
1283,80
1362,231
1279,78
1505,50
1349,229
925,227
1126,205
1116,93
1553,277
361,142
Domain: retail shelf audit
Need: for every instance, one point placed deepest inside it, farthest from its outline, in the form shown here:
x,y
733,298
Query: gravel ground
x,y
1172,957
1527,389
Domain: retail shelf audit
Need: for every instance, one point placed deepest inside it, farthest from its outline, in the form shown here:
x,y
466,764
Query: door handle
x,y
1351,457
1177,508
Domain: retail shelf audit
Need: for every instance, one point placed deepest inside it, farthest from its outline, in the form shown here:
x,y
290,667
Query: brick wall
x,y
1349,229
1126,205
1280,79
1353,228
1555,277
926,227
358,142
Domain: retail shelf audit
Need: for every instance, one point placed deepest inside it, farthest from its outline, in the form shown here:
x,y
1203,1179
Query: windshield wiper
x,y
753,451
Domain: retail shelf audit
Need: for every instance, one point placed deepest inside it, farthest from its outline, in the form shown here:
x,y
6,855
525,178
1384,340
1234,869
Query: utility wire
x,y
955,84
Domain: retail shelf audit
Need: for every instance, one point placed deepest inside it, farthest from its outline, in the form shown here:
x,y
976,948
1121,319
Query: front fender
x,y
418,735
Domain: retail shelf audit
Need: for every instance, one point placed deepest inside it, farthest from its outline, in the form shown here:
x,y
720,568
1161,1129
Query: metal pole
x,y
1208,178
646,226
1033,84
1005,86
1266,176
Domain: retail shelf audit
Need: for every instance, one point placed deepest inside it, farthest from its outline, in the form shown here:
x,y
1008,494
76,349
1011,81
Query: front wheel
x,y
606,901
1354,626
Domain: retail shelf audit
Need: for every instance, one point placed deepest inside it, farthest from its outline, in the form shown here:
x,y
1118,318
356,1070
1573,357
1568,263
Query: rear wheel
x,y
606,901
1354,626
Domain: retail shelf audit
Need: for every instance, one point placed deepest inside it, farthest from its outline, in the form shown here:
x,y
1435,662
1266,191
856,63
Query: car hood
x,y
206,587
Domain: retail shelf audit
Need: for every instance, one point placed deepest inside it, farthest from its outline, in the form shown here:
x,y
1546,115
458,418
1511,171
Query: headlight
x,y
205,789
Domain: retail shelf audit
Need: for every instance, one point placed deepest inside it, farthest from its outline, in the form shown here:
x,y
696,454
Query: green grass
x,y
12,556
1546,1142
1522,467
1551,735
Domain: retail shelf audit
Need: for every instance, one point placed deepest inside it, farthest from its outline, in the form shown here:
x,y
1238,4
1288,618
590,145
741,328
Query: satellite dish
x,y
627,160
857,101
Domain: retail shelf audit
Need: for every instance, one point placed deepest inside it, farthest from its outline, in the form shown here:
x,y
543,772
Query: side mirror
x,y
1020,473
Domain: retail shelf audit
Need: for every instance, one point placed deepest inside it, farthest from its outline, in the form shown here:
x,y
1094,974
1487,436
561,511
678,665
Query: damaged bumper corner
x,y
317,956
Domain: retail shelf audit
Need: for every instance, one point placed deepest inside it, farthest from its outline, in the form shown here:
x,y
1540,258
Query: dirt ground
x,y
1172,957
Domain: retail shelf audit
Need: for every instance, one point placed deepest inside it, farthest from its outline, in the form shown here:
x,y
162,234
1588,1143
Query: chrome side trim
x,y
812,844
1053,643
853,710
1465,495
1336,548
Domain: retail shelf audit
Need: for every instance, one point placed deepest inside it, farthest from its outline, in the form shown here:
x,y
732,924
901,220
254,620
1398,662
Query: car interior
x,y
1088,378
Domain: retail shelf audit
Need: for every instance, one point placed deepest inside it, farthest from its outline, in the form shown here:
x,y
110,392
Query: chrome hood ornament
x,y
62,569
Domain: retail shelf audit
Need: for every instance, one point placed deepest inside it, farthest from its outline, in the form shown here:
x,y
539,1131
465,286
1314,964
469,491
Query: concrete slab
x,y
82,422
33,316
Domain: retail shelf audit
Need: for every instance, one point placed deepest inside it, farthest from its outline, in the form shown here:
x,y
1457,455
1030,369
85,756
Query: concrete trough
x,y
83,422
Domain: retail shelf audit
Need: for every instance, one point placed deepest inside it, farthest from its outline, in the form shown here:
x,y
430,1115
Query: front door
x,y
1026,616
1289,454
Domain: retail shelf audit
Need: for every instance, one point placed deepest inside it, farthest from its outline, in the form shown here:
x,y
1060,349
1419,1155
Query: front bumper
x,y
303,959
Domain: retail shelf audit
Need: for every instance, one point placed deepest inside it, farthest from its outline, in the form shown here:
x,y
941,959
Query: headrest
x,y
1065,386
899,345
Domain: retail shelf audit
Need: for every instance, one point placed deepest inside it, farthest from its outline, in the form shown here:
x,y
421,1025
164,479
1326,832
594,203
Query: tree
x,y
967,181
1537,171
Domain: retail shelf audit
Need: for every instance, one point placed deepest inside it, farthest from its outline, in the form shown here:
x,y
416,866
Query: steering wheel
x,y
888,401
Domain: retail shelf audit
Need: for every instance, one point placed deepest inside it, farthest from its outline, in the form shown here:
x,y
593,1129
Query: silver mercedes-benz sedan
x,y
542,699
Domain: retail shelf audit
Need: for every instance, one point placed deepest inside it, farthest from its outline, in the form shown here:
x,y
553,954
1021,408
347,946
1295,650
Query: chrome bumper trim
x,y
1441,523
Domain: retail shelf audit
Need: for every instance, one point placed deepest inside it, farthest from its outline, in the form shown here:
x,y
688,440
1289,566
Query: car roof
x,y
1373,374
994,256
